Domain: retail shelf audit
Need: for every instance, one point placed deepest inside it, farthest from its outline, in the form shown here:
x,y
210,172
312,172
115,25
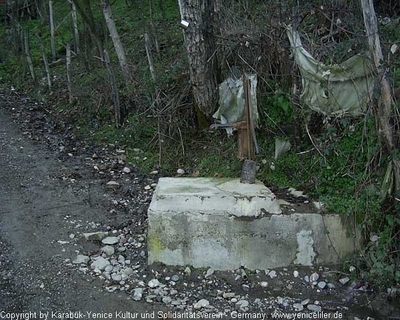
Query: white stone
x,y
272,274
80,258
112,184
126,170
306,301
209,273
314,308
166,300
108,250
295,273
228,295
241,304
153,283
116,277
321,284
128,271
110,240
95,236
100,264
180,171
264,284
187,271
201,304
137,294
298,307
344,280
314,277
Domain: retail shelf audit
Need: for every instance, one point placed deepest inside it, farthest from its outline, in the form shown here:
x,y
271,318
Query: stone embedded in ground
x,y
209,273
108,250
110,240
95,236
201,304
218,214
113,185
298,307
242,304
228,295
344,280
314,277
314,308
126,170
116,277
321,284
166,300
137,294
153,283
175,278
80,258
331,286
100,264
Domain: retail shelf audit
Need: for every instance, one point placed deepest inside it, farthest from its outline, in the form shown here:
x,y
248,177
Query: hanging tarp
x,y
333,90
232,103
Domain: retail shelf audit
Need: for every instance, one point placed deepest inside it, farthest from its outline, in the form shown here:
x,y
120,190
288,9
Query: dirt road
x,y
34,204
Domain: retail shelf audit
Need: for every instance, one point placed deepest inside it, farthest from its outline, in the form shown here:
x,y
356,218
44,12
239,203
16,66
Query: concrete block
x,y
223,224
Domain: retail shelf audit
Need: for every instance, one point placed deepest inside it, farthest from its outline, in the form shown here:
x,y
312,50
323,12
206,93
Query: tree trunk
x,y
52,30
149,57
119,48
200,48
45,61
69,74
28,55
383,107
87,16
75,27
114,88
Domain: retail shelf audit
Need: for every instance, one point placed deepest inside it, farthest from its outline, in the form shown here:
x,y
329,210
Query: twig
x,y
314,144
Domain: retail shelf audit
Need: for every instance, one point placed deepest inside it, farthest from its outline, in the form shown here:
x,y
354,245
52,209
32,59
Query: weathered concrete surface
x,y
223,224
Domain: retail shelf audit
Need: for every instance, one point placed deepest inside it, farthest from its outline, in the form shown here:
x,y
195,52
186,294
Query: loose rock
x,y
95,236
110,240
100,264
314,308
113,185
80,258
201,304
108,250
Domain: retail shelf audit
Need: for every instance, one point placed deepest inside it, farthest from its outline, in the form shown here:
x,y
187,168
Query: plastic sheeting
x,y
232,104
333,90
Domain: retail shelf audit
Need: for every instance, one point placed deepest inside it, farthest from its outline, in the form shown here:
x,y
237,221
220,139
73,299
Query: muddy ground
x,y
53,189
